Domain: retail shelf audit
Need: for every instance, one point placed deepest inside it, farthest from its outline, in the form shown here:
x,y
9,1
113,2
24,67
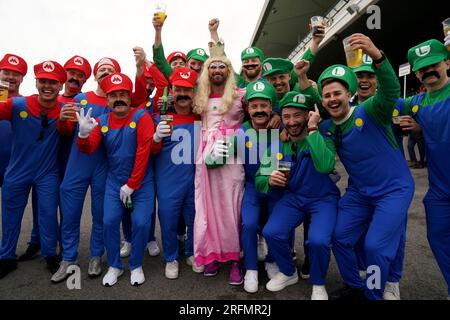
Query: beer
x,y
4,86
168,118
446,26
163,111
398,130
354,57
160,12
318,21
76,110
285,168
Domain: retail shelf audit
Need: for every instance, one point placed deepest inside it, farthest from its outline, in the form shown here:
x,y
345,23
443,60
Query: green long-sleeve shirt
x,y
161,62
321,150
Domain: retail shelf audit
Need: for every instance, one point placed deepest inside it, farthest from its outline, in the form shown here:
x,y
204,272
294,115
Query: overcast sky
x,y
39,30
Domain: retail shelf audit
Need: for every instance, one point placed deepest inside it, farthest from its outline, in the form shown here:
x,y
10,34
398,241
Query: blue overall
x,y
174,176
5,154
309,193
396,267
434,121
5,146
83,170
377,200
34,164
256,206
121,146
126,220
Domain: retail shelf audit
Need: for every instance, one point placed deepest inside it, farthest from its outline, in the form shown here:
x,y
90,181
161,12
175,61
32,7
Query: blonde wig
x,y
204,88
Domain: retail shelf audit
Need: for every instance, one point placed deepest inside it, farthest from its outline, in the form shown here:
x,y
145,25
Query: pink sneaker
x,y
235,274
211,269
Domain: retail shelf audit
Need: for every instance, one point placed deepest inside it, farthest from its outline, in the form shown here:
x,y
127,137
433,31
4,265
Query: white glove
x,y
447,39
86,123
162,131
219,150
125,194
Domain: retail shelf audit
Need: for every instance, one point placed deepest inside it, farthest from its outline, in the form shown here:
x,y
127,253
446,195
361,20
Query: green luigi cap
x,y
426,54
273,66
260,89
252,52
342,73
297,100
367,65
197,54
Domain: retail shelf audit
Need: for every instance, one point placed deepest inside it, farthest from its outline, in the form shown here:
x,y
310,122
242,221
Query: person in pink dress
x,y
219,191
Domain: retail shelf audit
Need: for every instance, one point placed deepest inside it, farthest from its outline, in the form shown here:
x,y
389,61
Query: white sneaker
x,y
153,249
125,250
172,270
262,248
391,291
111,276
272,269
137,277
191,262
251,281
319,293
62,272
281,281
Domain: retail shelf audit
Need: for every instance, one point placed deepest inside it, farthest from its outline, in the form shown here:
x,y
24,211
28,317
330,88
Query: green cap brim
x,y
364,68
274,72
250,56
428,61
261,95
296,105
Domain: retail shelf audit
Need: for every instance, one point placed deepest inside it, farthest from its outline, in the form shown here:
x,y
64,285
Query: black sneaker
x,y
52,263
6,266
30,253
304,271
347,293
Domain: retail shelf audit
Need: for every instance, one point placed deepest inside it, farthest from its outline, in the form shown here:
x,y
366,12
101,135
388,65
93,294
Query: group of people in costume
x,y
230,163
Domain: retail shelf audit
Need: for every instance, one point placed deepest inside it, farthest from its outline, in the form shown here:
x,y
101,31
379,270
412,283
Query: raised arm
x,y
380,106
158,51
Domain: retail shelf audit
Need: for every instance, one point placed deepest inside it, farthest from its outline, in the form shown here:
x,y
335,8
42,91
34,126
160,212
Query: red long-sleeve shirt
x,y
145,130
35,109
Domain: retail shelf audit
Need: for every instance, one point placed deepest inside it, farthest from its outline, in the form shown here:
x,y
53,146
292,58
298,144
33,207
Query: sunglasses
x,y
220,66
44,125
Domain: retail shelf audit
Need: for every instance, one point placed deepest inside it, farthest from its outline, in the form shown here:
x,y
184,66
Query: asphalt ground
x,y
422,279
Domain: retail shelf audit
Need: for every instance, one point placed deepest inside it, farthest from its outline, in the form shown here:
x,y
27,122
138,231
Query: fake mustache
x,y
119,103
262,113
182,98
430,74
103,75
250,66
75,81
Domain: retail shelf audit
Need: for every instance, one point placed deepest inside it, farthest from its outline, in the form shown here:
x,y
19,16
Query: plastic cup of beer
x,y
169,120
285,168
160,11
4,86
446,26
77,108
353,57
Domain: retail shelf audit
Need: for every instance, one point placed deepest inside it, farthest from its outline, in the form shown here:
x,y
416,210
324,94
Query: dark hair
x,y
331,80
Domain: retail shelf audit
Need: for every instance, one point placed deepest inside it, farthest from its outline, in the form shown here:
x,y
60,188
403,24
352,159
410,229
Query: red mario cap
x,y
183,77
50,70
108,61
14,63
80,64
176,54
116,82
